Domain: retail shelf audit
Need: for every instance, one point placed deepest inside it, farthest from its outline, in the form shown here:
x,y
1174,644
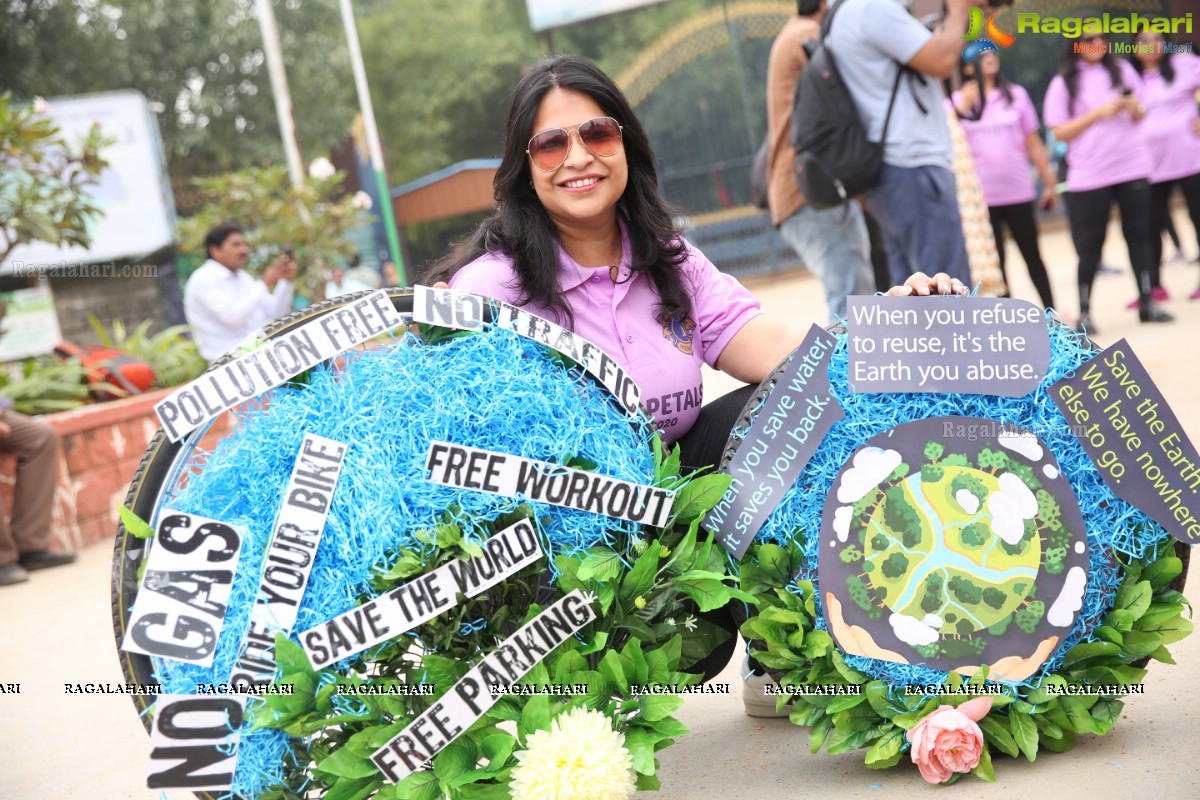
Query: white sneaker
x,y
755,698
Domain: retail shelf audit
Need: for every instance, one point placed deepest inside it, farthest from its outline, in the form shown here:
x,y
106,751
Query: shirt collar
x,y
571,274
225,272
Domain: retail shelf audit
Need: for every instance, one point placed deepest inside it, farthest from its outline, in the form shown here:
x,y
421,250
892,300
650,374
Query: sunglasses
x,y
600,135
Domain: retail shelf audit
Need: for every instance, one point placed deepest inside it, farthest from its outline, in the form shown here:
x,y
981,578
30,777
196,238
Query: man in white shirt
x,y
223,303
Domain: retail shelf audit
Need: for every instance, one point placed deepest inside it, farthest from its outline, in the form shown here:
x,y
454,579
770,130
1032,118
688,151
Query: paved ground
x,y
56,629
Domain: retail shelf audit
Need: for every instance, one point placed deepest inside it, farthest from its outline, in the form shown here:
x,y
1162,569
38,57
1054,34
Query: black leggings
x,y
1088,213
1160,213
699,447
1019,219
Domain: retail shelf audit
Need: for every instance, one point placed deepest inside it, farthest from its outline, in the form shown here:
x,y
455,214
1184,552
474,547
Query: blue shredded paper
x,y
495,391
1113,525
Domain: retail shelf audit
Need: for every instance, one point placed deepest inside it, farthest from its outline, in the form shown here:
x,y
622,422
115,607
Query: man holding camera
x,y
223,303
878,43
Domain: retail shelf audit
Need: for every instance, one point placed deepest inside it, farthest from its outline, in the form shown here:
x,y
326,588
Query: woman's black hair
x,y
523,230
1165,67
1069,69
1002,83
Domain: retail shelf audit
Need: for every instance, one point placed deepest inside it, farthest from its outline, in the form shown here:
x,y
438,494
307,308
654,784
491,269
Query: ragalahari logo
x,y
995,36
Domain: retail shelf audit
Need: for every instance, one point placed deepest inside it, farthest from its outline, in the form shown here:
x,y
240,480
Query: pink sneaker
x,y
1159,295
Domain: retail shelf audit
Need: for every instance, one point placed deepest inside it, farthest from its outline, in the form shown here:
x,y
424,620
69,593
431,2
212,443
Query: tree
x,y
850,555
931,601
44,178
965,591
976,534
311,219
931,473
201,65
1028,616
1055,558
859,594
895,566
1049,511
993,597
971,484
934,450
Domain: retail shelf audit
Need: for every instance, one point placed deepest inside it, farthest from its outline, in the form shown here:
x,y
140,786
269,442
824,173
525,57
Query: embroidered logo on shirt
x,y
680,332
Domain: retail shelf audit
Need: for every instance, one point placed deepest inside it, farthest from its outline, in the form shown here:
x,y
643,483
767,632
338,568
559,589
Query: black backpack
x,y
834,160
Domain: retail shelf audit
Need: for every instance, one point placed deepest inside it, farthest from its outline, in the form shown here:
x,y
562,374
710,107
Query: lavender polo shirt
x,y
1170,115
997,141
665,360
1110,151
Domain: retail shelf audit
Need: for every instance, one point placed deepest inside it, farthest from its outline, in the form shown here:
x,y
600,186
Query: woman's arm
x,y
765,341
1077,125
1035,148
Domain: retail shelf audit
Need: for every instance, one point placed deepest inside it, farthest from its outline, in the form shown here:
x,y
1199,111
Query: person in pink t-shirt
x,y
1002,131
1095,104
581,236
1172,131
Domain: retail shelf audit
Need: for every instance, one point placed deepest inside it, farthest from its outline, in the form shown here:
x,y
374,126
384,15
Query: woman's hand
x,y
1049,199
968,96
1109,108
921,285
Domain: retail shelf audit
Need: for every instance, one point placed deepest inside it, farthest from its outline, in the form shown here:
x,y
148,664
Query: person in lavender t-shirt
x,y
581,236
1172,131
1095,104
1002,132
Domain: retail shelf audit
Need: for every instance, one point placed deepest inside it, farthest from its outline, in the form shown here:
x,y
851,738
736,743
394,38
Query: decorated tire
x,y
953,571
481,557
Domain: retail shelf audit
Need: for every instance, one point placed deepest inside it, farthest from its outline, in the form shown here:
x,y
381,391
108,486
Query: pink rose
x,y
948,740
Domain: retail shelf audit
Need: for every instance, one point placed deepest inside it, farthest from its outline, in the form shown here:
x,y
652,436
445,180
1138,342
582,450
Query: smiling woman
x,y
582,236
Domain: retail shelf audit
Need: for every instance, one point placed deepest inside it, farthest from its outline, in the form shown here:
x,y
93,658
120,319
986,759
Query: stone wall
x,y
101,447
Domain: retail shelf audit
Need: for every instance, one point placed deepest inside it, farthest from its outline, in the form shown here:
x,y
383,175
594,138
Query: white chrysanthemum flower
x,y
363,200
581,757
321,168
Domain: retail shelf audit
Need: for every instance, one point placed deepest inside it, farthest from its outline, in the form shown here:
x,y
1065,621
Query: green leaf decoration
x,y
135,526
640,744
983,769
998,735
1162,572
1105,714
344,763
1025,733
887,751
601,564
818,733
698,497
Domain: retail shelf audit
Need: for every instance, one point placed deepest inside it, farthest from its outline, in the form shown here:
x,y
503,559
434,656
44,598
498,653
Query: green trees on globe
x,y
895,566
1055,556
993,597
965,591
931,473
931,601
1028,617
976,534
